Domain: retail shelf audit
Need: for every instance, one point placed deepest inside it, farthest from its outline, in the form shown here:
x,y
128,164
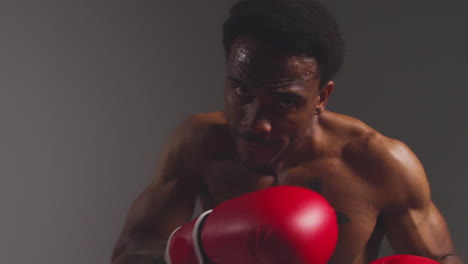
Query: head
x,y
281,59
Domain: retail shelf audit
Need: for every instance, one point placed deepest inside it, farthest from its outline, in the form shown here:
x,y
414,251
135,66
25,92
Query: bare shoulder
x,y
362,142
202,134
169,200
198,125
401,173
204,127
388,163
354,136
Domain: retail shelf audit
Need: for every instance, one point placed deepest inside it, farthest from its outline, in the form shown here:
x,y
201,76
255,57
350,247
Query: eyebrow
x,y
280,90
288,93
286,86
289,88
234,79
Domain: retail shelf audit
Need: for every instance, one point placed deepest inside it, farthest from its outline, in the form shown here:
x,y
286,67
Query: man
x,y
282,57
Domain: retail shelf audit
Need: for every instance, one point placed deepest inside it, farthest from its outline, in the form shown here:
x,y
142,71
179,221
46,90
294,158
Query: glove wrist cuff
x,y
196,240
196,236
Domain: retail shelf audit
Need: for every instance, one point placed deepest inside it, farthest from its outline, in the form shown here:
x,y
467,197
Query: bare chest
x,y
351,195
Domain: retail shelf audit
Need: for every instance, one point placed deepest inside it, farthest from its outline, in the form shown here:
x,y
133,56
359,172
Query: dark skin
x,y
275,130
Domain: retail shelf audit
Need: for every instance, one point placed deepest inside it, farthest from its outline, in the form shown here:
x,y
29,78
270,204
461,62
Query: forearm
x,y
450,259
140,256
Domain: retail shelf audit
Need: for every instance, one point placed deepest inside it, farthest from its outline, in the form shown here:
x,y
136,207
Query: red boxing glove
x,y
182,246
283,224
404,259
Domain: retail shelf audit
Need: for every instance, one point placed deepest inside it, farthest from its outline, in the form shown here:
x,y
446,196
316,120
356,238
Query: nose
x,y
261,126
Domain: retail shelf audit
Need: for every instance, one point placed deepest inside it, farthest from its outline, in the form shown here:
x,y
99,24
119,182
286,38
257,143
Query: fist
x,y
283,224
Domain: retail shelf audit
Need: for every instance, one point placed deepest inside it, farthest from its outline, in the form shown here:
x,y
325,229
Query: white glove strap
x,y
195,235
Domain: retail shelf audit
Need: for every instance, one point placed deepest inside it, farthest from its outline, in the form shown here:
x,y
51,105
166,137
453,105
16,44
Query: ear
x,y
322,98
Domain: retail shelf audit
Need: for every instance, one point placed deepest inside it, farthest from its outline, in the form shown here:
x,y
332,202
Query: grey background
x,y
90,91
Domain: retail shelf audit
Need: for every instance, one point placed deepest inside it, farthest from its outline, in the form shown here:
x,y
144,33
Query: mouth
x,y
257,147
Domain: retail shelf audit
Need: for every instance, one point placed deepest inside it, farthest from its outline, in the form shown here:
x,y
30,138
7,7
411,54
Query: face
x,y
271,100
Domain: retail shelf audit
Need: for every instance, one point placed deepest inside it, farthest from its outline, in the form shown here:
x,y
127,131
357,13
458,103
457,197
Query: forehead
x,y
262,60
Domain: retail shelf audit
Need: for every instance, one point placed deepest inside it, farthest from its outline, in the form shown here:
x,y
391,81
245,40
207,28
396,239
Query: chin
x,y
257,155
257,163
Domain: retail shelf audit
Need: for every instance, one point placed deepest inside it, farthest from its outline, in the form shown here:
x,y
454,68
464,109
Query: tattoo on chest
x,y
316,184
343,219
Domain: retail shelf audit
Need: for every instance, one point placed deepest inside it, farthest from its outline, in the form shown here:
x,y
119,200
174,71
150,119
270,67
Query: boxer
x,y
274,130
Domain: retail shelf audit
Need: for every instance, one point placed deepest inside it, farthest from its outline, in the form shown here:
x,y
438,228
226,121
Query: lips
x,y
256,146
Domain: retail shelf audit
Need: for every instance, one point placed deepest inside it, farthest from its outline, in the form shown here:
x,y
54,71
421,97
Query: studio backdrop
x,y
91,90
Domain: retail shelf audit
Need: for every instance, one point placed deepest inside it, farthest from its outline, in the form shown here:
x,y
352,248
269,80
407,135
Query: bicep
x,y
420,231
155,213
413,224
167,202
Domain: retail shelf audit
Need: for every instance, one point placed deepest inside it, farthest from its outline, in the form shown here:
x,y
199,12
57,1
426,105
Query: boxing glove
x,y
183,244
283,224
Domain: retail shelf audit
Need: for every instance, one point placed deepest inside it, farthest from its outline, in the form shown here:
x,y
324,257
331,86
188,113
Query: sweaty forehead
x,y
260,60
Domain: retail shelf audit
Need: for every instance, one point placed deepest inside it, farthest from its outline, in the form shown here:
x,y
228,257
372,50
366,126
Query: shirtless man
x,y
282,57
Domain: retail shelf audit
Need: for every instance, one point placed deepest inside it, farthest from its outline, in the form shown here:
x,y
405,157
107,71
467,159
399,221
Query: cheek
x,y
232,110
284,127
292,126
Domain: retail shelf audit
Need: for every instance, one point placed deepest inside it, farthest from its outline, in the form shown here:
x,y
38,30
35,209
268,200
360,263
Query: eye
x,y
287,102
241,91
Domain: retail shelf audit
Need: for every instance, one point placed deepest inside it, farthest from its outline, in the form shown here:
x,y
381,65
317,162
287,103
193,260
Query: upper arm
x,y
413,224
169,200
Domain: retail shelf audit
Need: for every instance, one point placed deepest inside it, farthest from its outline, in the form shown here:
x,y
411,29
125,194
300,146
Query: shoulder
x,y
388,164
185,150
363,145
404,179
347,128
198,127
202,133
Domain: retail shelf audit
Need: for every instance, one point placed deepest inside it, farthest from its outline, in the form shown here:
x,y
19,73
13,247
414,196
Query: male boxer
x,y
282,57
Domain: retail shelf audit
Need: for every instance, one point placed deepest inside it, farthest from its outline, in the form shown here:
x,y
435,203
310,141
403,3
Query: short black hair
x,y
298,27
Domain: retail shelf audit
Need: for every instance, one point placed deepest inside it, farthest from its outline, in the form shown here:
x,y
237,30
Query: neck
x,y
306,148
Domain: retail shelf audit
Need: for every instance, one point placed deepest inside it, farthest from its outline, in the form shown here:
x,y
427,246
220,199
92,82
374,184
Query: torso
x,y
336,174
